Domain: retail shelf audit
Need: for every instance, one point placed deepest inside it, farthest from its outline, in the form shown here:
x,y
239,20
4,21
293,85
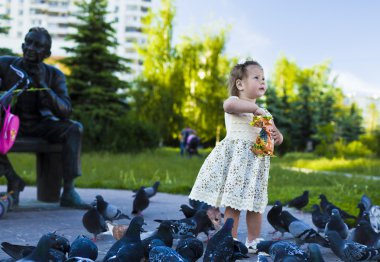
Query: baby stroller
x,y
192,145
10,122
5,99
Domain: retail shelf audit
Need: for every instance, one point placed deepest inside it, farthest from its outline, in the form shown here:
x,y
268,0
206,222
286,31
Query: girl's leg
x,y
253,225
235,214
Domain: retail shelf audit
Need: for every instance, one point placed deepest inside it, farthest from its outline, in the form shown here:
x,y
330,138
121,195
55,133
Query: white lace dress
x,y
232,175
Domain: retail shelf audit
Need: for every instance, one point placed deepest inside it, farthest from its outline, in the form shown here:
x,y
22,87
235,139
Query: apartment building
x,y
54,15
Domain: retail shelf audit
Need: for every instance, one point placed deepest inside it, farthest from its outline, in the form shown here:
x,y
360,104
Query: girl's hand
x,y
259,112
277,136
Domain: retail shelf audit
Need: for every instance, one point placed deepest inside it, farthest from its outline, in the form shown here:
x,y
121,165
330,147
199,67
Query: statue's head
x,y
37,44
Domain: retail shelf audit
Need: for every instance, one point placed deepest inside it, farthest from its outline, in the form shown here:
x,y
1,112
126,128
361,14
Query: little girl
x,y
232,176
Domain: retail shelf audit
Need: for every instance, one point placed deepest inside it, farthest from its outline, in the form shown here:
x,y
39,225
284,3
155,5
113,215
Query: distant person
x,y
183,139
192,144
232,176
43,113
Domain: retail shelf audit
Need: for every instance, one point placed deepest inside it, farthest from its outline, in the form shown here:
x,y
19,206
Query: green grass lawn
x,y
177,174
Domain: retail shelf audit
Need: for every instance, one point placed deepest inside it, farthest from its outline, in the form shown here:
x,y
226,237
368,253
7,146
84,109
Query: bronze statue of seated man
x,y
43,113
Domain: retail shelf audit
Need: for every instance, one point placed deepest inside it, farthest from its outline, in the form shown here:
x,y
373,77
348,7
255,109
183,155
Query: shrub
x,y
355,149
123,134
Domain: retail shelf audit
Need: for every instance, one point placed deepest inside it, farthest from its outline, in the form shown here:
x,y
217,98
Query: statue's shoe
x,y
70,198
14,188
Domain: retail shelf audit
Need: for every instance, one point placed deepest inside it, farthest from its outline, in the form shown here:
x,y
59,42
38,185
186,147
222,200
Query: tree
x,y
182,85
93,66
205,72
310,102
158,93
4,29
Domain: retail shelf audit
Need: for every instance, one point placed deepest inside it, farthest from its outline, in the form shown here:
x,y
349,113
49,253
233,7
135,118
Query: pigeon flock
x,y
329,230
201,234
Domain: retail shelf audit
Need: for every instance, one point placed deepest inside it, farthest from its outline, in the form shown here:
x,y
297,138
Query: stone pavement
x,y
31,219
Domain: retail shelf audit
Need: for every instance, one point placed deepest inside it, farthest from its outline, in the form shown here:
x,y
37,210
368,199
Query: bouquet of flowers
x,y
263,145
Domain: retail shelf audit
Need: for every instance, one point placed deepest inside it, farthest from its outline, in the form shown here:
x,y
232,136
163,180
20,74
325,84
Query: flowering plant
x,y
263,145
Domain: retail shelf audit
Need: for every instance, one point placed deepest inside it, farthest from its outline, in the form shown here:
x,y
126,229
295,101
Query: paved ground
x,y
26,224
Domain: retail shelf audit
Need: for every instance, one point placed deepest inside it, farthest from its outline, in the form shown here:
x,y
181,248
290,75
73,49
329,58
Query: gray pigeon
x,y
336,223
366,201
152,190
374,217
281,250
364,234
164,253
129,247
190,249
94,222
319,218
302,232
82,247
109,211
221,246
261,258
274,219
140,202
351,251
315,254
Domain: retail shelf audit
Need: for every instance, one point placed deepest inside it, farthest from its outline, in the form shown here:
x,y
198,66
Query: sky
x,y
344,32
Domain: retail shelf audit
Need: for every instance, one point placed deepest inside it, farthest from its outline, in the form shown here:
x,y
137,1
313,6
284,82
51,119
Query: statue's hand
x,y
38,76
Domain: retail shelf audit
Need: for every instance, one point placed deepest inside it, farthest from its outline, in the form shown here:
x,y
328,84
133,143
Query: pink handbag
x,y
9,131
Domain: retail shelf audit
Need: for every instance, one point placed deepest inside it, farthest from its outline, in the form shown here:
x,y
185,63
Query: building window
x,y
132,29
132,7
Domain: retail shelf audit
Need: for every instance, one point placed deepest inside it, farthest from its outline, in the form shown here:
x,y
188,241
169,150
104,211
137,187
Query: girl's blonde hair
x,y
239,71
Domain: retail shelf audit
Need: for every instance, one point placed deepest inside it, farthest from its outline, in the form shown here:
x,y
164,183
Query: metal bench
x,y
49,166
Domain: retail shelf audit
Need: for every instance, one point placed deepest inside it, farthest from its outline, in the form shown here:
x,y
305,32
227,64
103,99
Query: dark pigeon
x,y
301,201
302,232
164,253
83,247
240,249
221,246
349,250
188,211
336,223
41,252
319,218
364,234
315,254
79,259
195,203
361,212
129,247
163,233
274,218
94,222
57,252
327,207
282,250
109,211
192,226
191,249
140,202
